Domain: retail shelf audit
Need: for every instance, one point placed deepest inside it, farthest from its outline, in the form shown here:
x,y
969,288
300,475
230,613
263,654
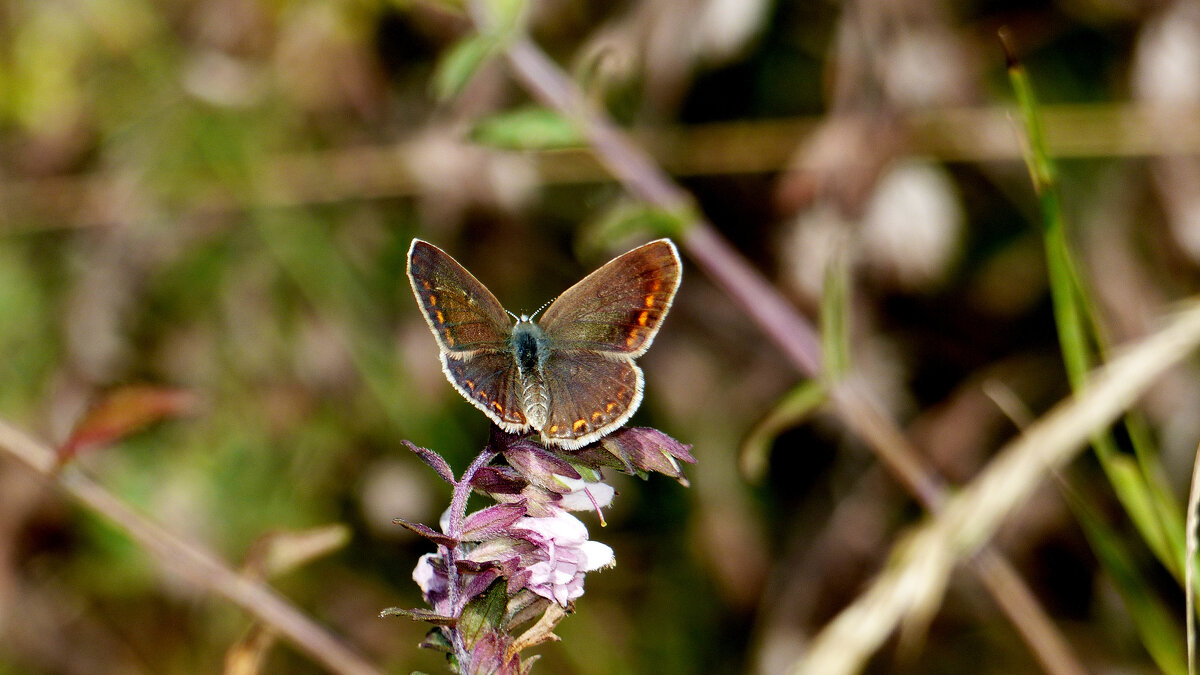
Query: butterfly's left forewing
x,y
464,315
618,308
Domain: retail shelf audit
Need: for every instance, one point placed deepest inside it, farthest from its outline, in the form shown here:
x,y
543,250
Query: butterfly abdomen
x,y
530,348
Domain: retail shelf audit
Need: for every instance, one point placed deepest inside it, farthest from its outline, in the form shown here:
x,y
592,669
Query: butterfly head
x,y
528,318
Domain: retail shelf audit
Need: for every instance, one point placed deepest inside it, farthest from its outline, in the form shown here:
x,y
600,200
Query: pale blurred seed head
x,y
814,239
222,80
911,229
453,175
927,68
726,27
1166,59
393,489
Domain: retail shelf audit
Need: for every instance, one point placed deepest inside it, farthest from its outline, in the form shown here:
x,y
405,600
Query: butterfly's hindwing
x,y
463,314
491,382
619,307
590,394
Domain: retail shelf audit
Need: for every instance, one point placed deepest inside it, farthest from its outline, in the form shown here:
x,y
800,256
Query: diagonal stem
x,y
189,558
793,334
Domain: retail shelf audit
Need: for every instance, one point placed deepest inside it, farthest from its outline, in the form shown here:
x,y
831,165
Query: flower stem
x,y
454,527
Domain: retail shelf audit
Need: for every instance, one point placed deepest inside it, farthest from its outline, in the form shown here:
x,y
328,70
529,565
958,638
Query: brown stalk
x,y
189,559
793,334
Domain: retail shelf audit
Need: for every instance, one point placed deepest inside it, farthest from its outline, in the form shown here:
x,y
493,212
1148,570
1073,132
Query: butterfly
x,y
569,376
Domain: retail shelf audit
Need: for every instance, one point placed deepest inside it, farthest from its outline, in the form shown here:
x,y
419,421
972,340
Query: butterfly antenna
x,y
539,311
514,316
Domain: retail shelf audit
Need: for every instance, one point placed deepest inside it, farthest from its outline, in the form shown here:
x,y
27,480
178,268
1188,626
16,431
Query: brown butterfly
x,y
570,375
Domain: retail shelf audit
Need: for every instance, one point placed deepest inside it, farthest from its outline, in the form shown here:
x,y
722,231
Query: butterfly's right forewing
x,y
464,315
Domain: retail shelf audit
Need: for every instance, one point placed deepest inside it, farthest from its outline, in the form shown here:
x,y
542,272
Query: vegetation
x,y
931,349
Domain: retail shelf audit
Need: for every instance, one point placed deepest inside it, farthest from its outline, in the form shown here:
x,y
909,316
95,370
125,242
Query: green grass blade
x,y
835,317
1152,619
1145,497
1190,573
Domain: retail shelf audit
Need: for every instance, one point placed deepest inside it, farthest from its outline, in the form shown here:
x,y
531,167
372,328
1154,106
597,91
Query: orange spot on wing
x,y
579,424
449,339
553,428
655,286
609,407
441,318
596,415
426,285
642,318
470,384
631,339
483,395
432,299
649,300
497,406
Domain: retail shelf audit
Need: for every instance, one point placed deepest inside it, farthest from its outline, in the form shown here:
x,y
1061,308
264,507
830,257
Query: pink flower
x,y
585,496
563,556
430,575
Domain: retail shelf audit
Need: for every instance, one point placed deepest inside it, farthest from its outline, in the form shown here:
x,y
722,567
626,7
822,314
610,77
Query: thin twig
x,y
190,559
982,134
774,315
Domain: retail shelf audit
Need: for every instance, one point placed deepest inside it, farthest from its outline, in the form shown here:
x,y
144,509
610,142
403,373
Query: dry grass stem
x,y
190,560
1189,568
777,317
981,134
922,564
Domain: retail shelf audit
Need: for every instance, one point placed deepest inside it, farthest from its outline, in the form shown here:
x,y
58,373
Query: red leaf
x,y
428,532
493,520
434,460
124,411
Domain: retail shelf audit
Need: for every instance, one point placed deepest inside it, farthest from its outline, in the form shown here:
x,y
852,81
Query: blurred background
x,y
217,197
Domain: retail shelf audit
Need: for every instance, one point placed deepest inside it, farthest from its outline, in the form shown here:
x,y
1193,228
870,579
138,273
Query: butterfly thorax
x,y
531,347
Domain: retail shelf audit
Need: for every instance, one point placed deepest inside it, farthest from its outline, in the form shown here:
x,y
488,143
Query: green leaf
x,y
506,14
419,615
460,63
835,323
625,219
794,407
436,640
530,128
483,614
1169,516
